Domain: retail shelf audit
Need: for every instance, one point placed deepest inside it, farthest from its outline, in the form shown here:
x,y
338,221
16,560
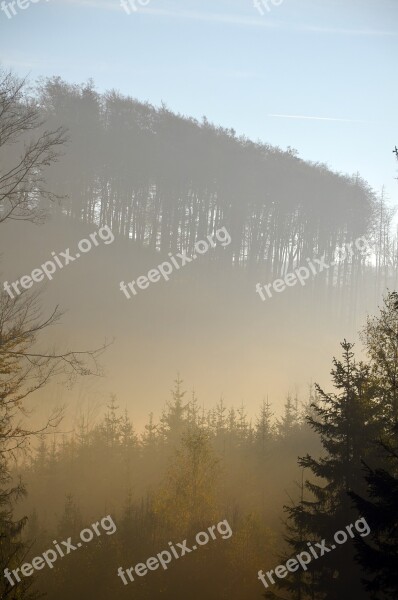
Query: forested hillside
x,y
165,181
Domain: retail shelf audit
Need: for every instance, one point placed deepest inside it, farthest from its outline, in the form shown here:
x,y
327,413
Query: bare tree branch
x,y
22,186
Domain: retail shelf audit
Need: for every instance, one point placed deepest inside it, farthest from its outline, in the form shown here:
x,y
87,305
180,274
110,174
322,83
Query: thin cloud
x,y
25,64
342,31
106,5
312,118
227,19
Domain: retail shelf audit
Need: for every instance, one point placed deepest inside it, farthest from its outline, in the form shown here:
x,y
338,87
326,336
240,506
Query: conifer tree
x,y
150,435
111,426
378,554
174,418
221,417
380,336
264,429
193,411
346,423
290,420
243,427
71,520
187,499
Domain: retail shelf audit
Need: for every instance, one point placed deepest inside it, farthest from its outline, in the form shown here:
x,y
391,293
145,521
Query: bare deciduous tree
x,y
26,150
24,369
23,190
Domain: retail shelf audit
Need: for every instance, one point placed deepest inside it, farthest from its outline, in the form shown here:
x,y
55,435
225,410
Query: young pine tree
x,y
174,419
187,501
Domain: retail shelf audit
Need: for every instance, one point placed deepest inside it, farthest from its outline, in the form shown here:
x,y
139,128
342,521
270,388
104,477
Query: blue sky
x,y
327,68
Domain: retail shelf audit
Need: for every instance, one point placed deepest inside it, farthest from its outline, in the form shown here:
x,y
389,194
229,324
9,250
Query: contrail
x,y
316,118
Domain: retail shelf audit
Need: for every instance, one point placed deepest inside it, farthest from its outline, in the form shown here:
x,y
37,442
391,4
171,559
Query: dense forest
x,y
161,182
165,181
193,467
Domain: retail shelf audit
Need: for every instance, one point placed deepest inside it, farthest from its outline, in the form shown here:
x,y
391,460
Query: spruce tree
x,y
174,418
346,423
264,430
378,553
290,420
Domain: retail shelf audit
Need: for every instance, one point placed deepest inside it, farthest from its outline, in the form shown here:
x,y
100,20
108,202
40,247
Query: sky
x,y
316,75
